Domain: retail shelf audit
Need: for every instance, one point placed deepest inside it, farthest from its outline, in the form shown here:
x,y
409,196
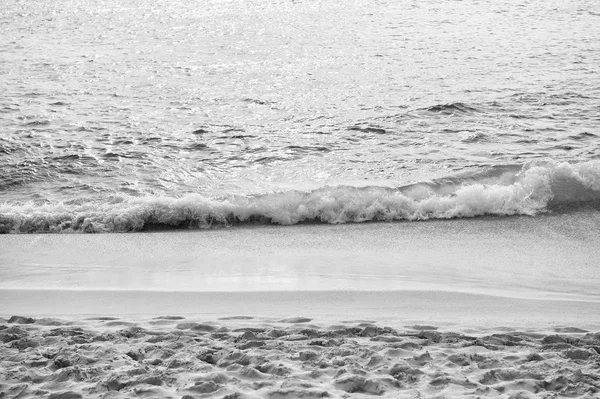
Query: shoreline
x,y
537,258
426,270
446,310
307,312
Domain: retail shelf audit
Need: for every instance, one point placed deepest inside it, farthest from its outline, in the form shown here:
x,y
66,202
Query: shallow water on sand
x,y
551,257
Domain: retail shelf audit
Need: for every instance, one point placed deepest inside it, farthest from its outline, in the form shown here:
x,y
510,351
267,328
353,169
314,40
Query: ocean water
x,y
128,116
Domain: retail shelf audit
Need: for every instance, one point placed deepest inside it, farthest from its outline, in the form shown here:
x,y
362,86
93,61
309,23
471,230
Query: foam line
x,y
501,191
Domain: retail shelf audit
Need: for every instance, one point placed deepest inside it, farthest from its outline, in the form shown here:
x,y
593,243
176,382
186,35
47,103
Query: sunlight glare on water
x,y
172,97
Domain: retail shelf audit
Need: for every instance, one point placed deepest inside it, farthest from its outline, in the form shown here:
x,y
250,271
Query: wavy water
x,y
117,117
499,191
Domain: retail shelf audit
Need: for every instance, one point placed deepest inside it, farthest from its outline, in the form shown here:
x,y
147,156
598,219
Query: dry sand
x,y
245,357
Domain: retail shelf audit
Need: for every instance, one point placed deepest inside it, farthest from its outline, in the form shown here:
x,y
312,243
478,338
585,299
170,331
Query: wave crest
x,y
502,190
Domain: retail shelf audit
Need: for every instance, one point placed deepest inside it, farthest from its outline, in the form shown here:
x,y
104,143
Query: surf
x,y
502,190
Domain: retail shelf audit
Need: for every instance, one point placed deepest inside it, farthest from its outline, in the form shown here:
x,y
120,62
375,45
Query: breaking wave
x,y
499,190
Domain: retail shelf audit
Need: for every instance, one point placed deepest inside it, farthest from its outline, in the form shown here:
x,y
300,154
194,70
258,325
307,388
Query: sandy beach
x,y
257,199
551,256
404,314
247,357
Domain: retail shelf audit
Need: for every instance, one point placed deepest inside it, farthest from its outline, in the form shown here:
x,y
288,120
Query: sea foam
x,y
502,191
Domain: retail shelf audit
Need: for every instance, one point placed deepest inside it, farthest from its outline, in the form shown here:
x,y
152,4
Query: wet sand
x,y
545,257
450,310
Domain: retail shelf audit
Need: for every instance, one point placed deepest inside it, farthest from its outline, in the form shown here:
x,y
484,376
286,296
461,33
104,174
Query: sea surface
x,y
136,115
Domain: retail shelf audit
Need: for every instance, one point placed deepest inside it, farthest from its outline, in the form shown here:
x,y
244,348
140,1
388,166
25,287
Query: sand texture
x,y
245,357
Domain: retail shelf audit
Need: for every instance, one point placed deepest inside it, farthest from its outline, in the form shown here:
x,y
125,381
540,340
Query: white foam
x,y
527,192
